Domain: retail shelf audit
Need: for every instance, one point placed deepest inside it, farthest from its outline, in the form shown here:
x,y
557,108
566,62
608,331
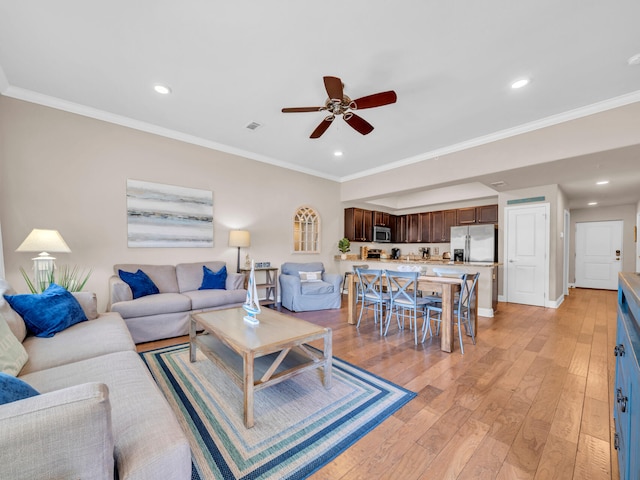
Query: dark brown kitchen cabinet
x,y
399,232
382,219
467,216
425,227
487,214
441,223
476,215
358,225
413,228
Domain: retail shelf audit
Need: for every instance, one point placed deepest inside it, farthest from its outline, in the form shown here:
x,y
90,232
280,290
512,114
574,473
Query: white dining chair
x,y
372,295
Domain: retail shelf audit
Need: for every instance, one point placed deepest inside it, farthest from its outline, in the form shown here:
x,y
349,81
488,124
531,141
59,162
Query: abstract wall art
x,y
168,216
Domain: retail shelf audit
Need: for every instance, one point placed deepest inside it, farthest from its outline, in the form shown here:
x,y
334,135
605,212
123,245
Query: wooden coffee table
x,y
257,356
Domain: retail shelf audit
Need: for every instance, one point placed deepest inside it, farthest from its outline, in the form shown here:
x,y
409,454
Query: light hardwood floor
x,y
531,400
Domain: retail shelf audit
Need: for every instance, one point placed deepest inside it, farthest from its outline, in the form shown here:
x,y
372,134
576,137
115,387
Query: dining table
x,y
446,286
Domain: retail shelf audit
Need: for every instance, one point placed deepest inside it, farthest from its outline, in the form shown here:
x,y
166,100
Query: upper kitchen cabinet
x,y
441,223
399,229
477,215
413,228
382,219
487,214
425,227
358,224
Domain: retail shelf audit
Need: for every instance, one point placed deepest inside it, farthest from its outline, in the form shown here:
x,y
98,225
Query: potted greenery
x,y
344,246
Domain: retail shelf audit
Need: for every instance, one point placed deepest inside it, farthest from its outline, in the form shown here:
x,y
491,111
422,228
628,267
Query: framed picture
x,y
161,215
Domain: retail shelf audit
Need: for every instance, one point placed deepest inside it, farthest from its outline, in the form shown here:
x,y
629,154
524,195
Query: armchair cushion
x,y
310,276
316,288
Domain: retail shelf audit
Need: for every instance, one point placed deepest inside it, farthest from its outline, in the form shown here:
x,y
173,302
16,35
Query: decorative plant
x,y
344,245
71,278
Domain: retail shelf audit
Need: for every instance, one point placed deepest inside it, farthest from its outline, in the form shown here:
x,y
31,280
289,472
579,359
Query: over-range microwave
x,y
381,234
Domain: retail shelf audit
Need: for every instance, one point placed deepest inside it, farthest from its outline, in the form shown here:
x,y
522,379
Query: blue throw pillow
x,y
139,282
13,389
214,281
48,312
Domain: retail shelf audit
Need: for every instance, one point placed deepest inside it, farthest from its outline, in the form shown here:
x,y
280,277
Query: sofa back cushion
x,y
190,275
163,276
292,268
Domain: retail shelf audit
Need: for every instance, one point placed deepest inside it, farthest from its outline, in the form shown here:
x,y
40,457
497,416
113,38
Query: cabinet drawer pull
x,y
616,441
618,350
622,400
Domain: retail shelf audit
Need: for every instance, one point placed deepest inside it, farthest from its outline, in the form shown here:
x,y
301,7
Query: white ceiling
x,y
232,63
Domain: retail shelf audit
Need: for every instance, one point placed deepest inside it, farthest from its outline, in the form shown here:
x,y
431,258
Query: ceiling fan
x,y
339,104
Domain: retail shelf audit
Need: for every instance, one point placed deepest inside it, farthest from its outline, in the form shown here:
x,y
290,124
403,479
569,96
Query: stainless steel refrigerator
x,y
475,243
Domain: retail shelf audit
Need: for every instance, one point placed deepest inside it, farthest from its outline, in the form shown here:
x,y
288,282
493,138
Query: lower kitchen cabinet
x,y
626,395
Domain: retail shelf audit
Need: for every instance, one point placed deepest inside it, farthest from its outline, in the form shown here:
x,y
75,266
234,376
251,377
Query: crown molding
x,y
97,114
563,117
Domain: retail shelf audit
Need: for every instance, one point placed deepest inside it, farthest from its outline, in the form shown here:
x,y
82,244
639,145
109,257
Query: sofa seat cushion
x,y
153,305
316,288
203,299
149,442
106,334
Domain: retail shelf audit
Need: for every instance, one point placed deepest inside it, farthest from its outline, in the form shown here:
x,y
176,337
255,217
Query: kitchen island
x,y
487,282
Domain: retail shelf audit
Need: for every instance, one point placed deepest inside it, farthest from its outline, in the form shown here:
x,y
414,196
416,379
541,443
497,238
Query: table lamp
x,y
43,241
239,238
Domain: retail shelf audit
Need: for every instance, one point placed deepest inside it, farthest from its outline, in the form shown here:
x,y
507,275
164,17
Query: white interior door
x,y
598,254
527,246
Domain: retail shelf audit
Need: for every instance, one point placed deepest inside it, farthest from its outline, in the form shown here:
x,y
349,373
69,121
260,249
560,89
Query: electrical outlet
x,y
436,251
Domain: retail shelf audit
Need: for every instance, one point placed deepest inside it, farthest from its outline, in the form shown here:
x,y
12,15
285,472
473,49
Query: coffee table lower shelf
x,y
252,374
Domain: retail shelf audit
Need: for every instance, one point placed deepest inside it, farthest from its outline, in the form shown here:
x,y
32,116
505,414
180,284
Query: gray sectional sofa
x,y
99,414
166,314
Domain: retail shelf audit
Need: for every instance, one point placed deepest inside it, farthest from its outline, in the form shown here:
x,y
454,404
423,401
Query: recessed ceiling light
x,y
591,204
337,153
162,89
635,60
520,83
602,182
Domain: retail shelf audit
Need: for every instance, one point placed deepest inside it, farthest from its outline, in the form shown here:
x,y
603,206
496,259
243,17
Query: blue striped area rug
x,y
299,425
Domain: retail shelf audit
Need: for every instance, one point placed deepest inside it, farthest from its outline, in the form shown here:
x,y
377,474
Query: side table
x,y
270,283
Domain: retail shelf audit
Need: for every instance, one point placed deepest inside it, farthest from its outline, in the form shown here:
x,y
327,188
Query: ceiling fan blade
x,y
358,123
320,129
375,100
302,109
333,85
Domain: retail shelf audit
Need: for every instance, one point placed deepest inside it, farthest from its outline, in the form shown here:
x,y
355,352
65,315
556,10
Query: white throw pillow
x,y
310,276
13,356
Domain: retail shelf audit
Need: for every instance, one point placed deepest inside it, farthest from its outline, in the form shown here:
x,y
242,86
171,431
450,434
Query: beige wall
x,y
68,172
626,213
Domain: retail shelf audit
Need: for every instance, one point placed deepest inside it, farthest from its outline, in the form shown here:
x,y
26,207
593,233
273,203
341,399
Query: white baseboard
x,y
485,312
556,303
502,298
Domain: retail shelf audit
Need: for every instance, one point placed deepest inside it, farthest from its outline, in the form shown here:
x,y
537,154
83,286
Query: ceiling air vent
x,y
499,183
253,126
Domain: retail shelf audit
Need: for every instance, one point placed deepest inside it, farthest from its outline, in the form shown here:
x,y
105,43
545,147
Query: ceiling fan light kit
x,y
340,104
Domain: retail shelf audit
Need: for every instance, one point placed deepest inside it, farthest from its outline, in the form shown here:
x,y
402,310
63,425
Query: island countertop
x,y
430,261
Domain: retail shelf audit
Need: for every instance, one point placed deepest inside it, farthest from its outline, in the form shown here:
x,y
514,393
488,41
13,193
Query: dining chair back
x,y
463,309
404,300
372,294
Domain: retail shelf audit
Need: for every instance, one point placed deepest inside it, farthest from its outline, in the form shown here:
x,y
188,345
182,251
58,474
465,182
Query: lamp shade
x,y
40,240
239,238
